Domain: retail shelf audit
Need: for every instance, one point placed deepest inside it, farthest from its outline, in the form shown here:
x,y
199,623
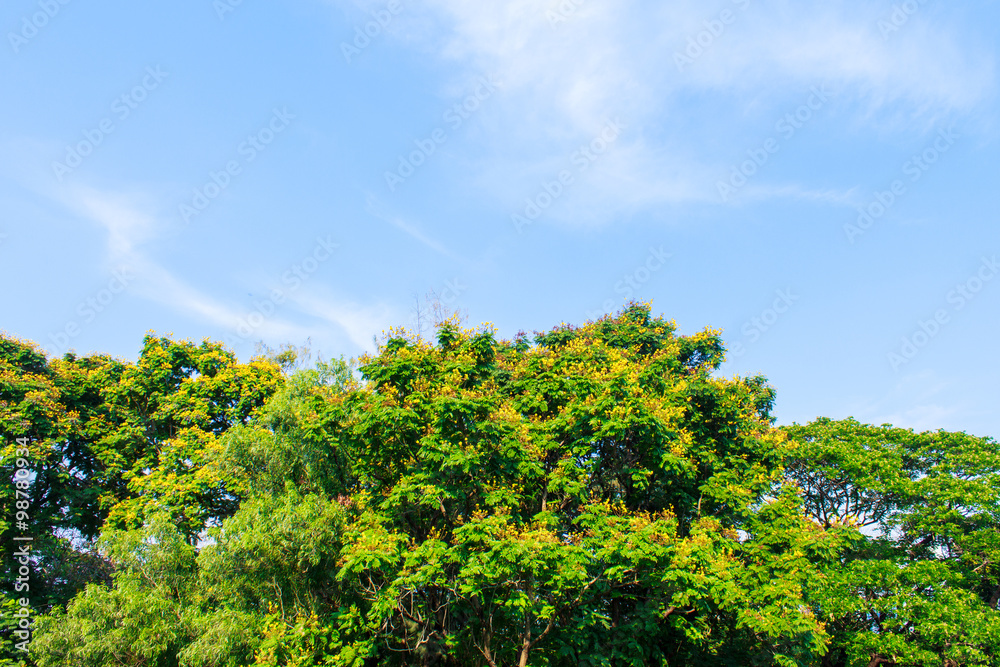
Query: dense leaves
x,y
596,496
921,581
108,440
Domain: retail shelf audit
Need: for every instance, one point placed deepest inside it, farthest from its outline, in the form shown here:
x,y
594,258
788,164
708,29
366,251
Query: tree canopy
x,y
595,495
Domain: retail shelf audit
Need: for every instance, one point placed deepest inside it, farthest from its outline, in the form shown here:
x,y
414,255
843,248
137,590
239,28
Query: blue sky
x,y
818,180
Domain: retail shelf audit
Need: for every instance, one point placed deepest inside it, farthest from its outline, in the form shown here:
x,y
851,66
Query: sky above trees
x,y
815,180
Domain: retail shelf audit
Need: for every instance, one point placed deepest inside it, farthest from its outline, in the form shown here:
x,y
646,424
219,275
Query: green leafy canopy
x,y
594,495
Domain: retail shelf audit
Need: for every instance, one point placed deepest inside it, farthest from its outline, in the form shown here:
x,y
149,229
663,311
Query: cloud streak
x,y
379,210
130,225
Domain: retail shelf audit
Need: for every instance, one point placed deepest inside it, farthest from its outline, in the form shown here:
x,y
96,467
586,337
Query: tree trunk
x,y
525,642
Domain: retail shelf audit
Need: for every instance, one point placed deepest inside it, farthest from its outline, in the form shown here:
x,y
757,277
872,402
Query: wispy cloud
x,y
379,210
914,402
357,321
122,216
793,191
611,57
130,225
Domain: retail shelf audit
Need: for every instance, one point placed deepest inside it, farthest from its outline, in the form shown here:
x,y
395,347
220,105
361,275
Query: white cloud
x,y
612,58
831,196
129,226
133,221
122,216
379,210
916,401
359,322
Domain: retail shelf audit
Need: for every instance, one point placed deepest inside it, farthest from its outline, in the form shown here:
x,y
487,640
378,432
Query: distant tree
x,y
921,581
288,357
433,311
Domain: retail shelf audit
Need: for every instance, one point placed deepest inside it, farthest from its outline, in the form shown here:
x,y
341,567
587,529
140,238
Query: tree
x,y
50,416
921,582
170,410
108,440
542,502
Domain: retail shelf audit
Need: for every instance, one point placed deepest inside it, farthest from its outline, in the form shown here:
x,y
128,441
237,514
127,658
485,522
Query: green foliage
x,y
583,493
920,583
288,441
110,440
55,408
172,407
599,498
